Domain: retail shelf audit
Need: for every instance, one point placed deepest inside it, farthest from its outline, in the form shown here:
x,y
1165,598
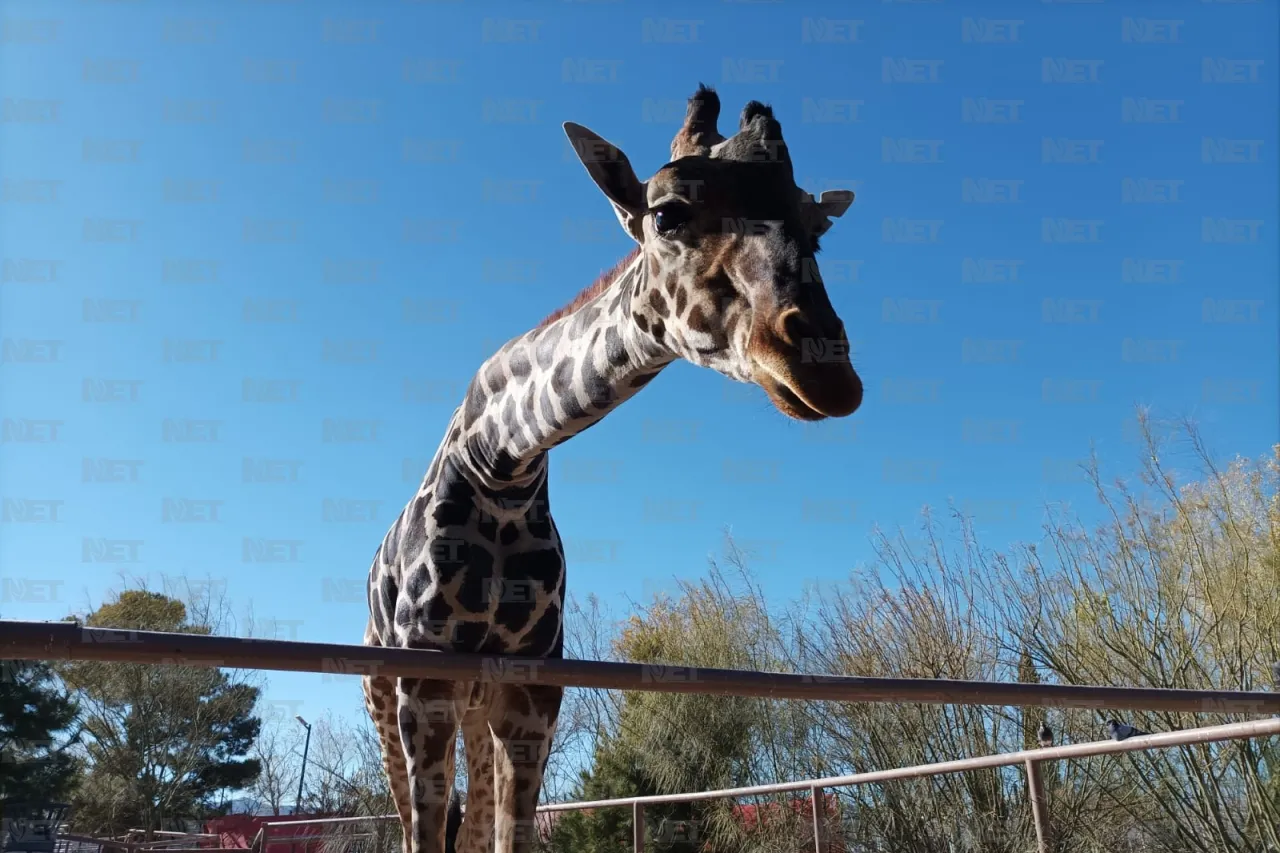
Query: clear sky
x,y
289,233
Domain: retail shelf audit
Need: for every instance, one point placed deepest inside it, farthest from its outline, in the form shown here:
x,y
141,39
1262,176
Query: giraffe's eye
x,y
668,218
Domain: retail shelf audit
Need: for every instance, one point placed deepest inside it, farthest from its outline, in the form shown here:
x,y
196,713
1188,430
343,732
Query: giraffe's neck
x,y
550,384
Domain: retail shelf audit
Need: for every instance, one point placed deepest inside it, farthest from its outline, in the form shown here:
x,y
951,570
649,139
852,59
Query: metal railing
x,y
68,641
173,842
1030,759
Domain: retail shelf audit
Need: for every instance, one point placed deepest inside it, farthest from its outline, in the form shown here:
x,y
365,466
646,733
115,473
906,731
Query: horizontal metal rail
x,y
1230,731
327,821
1160,740
174,839
293,839
67,641
87,839
143,847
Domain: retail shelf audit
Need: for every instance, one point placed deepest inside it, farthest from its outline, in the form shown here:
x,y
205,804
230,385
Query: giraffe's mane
x,y
595,289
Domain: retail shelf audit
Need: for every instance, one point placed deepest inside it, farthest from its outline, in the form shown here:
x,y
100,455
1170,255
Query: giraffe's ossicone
x,y
724,275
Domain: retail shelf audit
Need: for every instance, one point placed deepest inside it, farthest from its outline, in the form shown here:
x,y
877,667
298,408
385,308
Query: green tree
x,y
162,742
37,719
669,743
600,830
618,772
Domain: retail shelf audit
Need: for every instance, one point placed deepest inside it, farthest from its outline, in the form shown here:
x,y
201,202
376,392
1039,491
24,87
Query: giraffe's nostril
x,y
782,323
794,328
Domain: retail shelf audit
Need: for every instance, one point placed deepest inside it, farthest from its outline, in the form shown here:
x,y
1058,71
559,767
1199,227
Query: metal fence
x,y
134,842
78,844
1029,759
67,641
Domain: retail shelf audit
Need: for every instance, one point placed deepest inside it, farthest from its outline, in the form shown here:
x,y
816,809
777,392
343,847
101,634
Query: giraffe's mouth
x,y
783,398
813,394
790,404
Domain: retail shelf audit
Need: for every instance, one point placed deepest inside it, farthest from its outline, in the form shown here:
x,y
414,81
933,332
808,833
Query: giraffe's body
x,y
474,563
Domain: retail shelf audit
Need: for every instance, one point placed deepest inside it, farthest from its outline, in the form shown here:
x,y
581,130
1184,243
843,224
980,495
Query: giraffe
x,y
722,275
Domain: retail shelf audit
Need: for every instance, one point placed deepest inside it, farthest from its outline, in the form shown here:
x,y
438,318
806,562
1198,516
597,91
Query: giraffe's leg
x,y
476,835
428,728
523,720
380,699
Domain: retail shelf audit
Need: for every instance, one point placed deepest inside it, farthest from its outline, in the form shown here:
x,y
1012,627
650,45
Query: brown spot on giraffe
x,y
697,321
658,303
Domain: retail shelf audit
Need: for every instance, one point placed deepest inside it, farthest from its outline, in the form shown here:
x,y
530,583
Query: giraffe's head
x,y
728,243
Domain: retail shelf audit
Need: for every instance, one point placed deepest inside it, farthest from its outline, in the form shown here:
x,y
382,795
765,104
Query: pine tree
x,y
615,773
37,722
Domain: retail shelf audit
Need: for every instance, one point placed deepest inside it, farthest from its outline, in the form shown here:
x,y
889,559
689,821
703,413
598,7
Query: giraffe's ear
x,y
831,205
612,173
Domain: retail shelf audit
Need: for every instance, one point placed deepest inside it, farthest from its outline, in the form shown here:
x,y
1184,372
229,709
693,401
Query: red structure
x,y
750,816
239,830
758,815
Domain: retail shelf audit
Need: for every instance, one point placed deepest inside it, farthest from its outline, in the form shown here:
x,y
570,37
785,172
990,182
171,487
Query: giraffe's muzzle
x,y
805,369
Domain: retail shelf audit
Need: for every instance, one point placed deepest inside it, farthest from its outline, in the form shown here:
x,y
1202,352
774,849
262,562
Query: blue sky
x,y
297,230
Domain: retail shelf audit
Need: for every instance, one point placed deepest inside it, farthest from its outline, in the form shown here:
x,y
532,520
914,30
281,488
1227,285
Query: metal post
x,y
302,774
1039,805
816,794
637,826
